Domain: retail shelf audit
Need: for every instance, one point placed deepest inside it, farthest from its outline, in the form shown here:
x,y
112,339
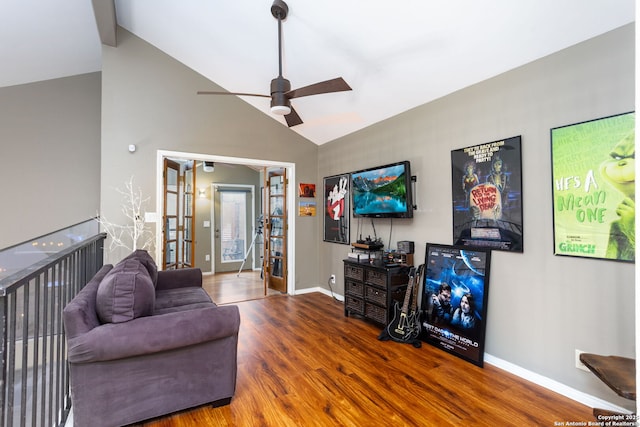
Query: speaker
x,y
207,166
405,246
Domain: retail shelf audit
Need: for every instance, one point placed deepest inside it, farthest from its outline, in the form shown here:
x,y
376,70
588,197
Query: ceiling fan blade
x,y
328,86
205,92
293,118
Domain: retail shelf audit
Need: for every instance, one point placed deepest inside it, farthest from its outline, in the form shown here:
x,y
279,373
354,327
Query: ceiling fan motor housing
x,y
280,86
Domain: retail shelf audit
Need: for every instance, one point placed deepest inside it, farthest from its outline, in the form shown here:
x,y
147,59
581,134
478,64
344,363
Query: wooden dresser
x,y
371,289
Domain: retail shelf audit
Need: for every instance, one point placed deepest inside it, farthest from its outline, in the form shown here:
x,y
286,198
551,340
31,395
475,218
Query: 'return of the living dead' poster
x,y
487,195
594,188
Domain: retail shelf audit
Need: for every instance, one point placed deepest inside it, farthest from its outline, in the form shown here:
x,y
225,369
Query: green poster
x,y
594,188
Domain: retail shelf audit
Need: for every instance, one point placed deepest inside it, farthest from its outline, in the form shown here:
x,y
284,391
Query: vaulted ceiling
x,y
395,55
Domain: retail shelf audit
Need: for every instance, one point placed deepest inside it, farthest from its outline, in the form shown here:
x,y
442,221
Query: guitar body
x,y
404,327
405,324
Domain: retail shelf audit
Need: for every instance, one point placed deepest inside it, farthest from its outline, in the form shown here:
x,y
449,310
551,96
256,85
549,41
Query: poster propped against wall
x,y
336,209
594,178
487,195
454,300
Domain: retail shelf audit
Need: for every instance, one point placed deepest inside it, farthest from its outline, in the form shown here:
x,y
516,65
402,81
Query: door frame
x,y
291,219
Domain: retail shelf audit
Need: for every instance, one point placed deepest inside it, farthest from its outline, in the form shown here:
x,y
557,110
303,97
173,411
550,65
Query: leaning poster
x,y
454,300
593,167
487,195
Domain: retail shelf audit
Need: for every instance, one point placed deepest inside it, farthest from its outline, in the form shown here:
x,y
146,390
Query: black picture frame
x,y
466,271
337,207
593,188
487,195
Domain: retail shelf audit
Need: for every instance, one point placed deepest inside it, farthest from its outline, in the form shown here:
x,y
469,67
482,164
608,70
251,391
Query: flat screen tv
x,y
382,191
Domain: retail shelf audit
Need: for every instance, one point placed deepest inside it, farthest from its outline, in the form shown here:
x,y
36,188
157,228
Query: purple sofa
x,y
143,343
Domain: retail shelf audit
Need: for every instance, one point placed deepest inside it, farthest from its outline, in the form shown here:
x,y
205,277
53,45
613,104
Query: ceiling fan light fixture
x,y
281,93
281,110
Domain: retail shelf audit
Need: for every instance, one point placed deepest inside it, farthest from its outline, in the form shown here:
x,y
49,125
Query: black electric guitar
x,y
405,325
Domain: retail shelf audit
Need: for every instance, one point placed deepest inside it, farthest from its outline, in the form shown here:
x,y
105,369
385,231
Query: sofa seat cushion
x,y
125,293
181,299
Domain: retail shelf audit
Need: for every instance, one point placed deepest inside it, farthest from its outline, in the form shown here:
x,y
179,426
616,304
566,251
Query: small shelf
x,y
619,373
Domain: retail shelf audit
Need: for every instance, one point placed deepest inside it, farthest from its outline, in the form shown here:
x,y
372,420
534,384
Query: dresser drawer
x,y
353,272
354,288
376,277
375,295
354,305
376,313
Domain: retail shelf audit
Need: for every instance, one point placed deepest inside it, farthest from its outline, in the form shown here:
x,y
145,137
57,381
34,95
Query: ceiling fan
x,y
281,93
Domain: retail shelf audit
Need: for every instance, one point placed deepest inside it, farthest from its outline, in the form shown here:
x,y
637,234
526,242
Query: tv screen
x,y
382,191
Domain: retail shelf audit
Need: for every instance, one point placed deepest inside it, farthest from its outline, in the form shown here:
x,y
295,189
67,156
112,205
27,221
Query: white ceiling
x,y
395,55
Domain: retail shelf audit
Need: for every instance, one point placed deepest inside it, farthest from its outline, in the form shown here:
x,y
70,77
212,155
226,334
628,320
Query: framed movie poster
x,y
306,190
454,300
336,209
593,166
487,195
307,208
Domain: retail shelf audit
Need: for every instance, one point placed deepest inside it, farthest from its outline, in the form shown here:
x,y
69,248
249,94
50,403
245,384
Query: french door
x,y
171,187
275,255
178,216
189,215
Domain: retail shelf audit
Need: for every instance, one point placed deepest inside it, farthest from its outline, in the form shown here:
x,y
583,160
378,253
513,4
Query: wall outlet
x,y
207,257
579,364
333,279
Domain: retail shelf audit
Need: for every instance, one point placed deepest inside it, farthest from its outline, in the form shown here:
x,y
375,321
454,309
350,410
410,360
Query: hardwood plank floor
x,y
302,363
225,288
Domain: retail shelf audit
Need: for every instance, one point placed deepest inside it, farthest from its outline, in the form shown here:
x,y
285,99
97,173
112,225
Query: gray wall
x,y
50,152
150,100
541,307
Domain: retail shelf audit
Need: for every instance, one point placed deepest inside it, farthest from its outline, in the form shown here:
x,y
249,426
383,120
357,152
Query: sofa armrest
x,y
152,334
179,278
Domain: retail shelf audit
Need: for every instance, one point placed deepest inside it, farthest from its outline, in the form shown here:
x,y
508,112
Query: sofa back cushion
x,y
80,314
126,293
147,261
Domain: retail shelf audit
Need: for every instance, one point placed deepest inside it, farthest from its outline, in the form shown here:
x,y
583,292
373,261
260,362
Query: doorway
x,y
232,227
256,164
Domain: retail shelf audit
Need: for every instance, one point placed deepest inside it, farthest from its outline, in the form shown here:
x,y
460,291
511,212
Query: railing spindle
x,y
34,388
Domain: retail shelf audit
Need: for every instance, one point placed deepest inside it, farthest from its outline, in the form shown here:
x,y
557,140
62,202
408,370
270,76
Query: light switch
x,y
207,224
150,217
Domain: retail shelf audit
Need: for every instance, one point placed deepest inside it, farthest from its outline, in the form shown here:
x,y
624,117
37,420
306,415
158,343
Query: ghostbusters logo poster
x,y
336,209
593,166
487,195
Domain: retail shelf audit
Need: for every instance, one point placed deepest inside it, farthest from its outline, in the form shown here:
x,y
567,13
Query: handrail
x,y
34,377
9,283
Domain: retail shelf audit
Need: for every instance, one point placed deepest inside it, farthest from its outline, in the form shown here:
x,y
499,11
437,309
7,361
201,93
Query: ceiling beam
x,y
105,13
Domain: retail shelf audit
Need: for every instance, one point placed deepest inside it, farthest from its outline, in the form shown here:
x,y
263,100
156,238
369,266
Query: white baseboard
x,y
321,290
548,383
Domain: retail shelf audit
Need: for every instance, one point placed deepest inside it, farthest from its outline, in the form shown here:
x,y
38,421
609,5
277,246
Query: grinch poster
x,y
593,166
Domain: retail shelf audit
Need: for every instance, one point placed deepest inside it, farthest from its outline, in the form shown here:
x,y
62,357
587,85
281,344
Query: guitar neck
x,y
409,292
416,288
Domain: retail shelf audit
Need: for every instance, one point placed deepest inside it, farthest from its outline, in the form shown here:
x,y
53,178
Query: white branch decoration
x,y
132,236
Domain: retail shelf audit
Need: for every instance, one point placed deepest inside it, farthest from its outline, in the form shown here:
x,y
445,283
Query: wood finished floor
x,y
302,363
225,288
